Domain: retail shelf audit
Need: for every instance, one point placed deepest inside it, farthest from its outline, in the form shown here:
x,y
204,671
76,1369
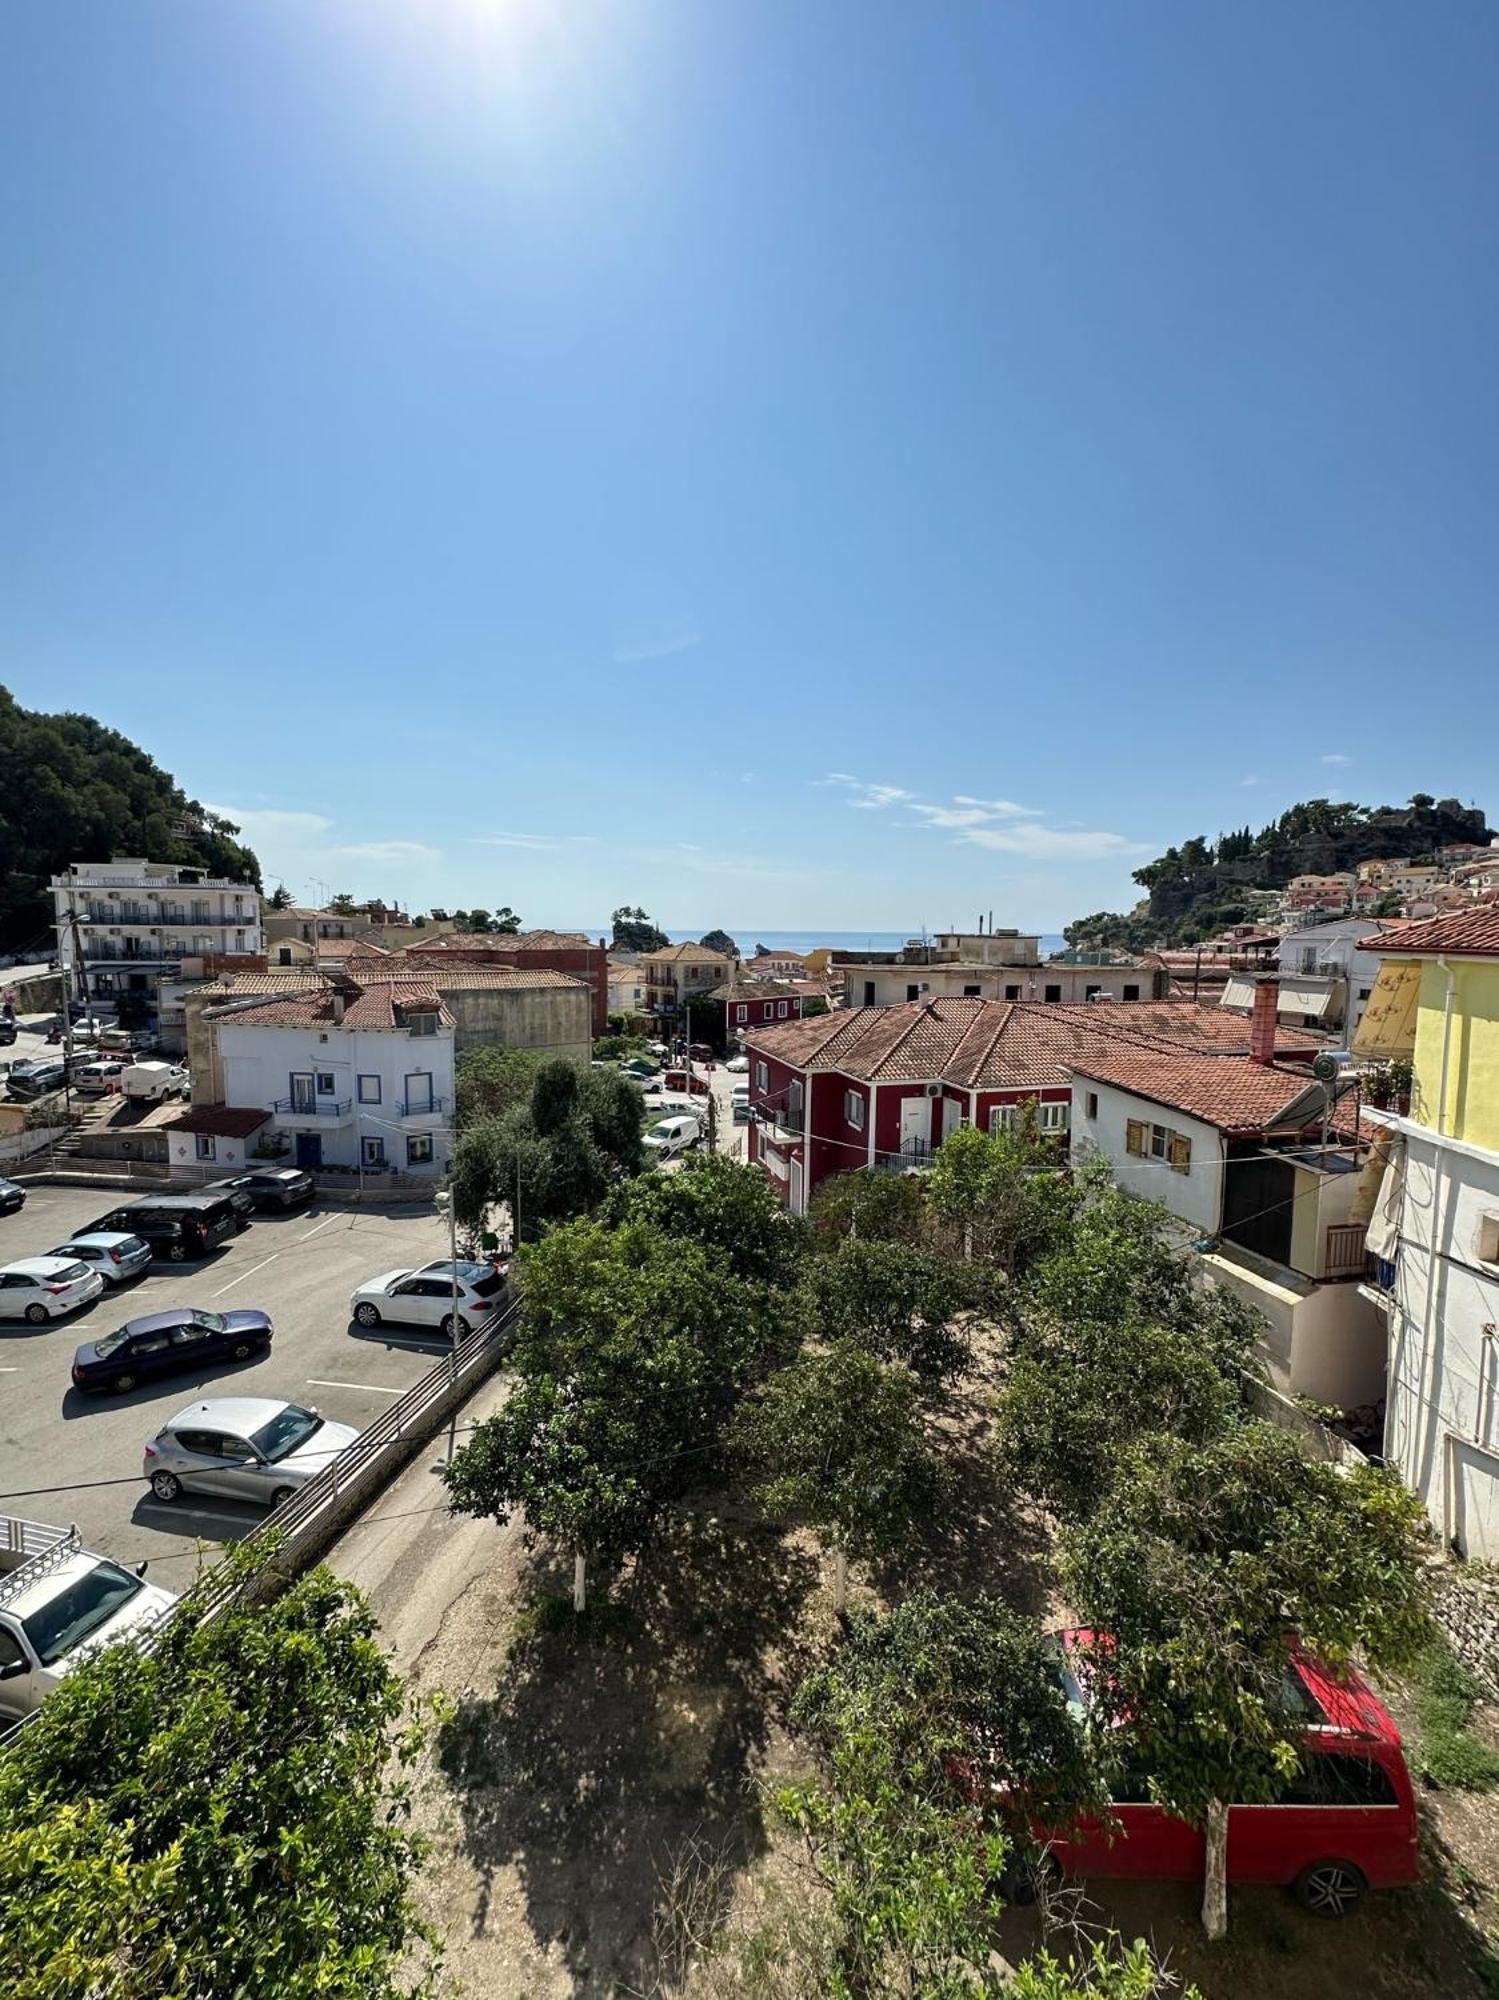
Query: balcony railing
x,y
414,1107
1344,1255
314,1107
915,1154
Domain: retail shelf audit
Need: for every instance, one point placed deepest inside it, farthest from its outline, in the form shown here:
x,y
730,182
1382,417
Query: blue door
x,y
310,1150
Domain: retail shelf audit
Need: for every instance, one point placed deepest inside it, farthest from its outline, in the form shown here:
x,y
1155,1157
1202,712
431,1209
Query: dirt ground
x,y
578,1765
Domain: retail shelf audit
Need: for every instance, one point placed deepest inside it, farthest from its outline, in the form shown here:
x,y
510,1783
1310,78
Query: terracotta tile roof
x,y
1473,933
350,948
1231,1092
283,979
506,941
224,1121
1004,1044
759,989
678,954
366,1009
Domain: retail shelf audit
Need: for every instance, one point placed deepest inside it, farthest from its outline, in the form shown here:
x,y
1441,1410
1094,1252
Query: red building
x,y
746,1007
884,1086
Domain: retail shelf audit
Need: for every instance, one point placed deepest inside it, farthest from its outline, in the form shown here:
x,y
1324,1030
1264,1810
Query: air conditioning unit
x,y
934,1090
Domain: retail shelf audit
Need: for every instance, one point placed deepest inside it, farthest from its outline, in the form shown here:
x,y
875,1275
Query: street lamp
x,y
447,1205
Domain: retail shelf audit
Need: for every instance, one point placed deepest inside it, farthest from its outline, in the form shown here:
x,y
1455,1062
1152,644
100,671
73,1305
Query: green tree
x,y
342,904
1201,1564
720,941
1108,1970
479,921
489,1082
836,1441
723,1205
543,1136
506,922
221,1815
896,1302
634,931
876,1207
996,1201
280,898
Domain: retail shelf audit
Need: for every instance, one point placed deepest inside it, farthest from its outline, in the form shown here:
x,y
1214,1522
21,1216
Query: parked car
x,y
42,1288
95,1078
739,1100
8,1032
738,1064
166,1343
635,1066
672,1136
424,1297
692,1082
658,1106
176,1226
58,1602
113,1254
1346,1822
28,1081
239,1199
11,1197
245,1447
154,1082
270,1187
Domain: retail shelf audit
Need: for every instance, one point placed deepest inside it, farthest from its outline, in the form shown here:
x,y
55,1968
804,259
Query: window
x,y
1091,1104
369,1090
419,1150
1092,992
1053,993
1488,1239
1055,1117
1004,1118
1326,1779
762,1076
913,992
869,993
785,1009
205,1147
374,1153
422,1024
10,1650
970,993
326,1083
1160,1142
741,1013
853,1109
1131,992
1012,993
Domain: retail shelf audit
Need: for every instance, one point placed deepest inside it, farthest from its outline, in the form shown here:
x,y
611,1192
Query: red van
x,y
1347,1822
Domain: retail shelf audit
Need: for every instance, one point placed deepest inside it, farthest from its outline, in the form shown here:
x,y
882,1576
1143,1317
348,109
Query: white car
x,y
43,1288
424,1297
739,1065
672,1136
58,1604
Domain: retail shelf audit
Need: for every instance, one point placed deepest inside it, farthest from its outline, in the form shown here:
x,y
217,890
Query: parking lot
x,y
66,1457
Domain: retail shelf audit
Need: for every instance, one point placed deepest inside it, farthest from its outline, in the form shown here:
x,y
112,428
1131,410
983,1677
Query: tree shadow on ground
x,y
615,1740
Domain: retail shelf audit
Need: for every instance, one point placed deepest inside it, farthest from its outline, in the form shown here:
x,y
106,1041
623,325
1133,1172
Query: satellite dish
x,y
1327,1068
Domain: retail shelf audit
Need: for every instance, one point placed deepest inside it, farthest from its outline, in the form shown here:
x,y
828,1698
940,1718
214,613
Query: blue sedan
x,y
169,1343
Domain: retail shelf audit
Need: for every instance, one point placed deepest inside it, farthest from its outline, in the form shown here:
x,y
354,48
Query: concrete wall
x,y
1322,1341
229,1155
556,1019
1442,1427
1473,1053
1195,1197
893,983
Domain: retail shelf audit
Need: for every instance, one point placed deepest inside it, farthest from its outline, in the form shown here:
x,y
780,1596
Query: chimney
x,y
1262,1022
338,1007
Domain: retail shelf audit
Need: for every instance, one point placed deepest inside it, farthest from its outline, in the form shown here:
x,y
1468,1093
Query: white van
x,y
96,1079
672,1136
153,1082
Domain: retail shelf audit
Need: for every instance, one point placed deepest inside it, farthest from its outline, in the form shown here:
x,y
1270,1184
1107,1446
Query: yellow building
x,y
1433,1240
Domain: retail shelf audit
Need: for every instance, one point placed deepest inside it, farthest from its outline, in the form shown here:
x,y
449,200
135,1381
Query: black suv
x,y
268,1187
177,1226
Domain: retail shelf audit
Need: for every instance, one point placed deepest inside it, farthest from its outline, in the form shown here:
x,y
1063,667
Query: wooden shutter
x,y
1181,1154
1135,1137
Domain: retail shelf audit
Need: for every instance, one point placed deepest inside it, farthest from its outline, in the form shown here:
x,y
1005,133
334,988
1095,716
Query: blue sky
x,y
785,462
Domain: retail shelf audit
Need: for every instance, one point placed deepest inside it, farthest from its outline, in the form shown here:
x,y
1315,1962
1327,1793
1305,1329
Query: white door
x,y
952,1116
915,1124
797,1203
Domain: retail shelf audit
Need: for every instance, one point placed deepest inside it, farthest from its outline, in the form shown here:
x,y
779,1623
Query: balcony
x,y
323,1110
1343,1250
416,1107
912,1157
782,1125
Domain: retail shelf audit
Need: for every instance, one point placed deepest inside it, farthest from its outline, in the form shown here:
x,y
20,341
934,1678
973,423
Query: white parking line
x,y
245,1274
9,1371
371,1388
335,1217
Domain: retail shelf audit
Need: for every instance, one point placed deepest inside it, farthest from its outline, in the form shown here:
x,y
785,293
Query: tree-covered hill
x,y
1196,889
72,790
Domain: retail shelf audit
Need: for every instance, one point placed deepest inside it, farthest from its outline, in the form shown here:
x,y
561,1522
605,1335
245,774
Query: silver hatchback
x,y
243,1447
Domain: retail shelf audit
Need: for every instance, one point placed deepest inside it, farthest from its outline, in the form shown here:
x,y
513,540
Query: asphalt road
x,y
65,1457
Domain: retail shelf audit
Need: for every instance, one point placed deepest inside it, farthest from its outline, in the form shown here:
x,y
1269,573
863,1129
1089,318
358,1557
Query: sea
x,y
804,941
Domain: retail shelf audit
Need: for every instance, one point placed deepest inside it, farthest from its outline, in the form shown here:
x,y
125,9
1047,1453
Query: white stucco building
x,y
352,1077
138,920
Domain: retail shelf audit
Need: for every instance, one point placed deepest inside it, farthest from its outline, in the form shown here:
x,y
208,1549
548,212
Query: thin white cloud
x,y
1336,757
1254,778
264,826
998,824
531,840
388,851
632,654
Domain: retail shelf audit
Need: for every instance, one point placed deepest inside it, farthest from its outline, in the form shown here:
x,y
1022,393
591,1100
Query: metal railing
x,y
411,1107
317,1107
913,1154
1343,1255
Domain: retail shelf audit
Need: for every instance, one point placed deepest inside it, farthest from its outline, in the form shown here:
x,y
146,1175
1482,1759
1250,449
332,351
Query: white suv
x,y
425,1297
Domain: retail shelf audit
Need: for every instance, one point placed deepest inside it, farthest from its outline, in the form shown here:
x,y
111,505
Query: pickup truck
x,y
153,1082
58,1603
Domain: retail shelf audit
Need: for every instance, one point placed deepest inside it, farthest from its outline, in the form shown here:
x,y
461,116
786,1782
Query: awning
x,y
1388,1027
1384,1227
1313,1000
1239,993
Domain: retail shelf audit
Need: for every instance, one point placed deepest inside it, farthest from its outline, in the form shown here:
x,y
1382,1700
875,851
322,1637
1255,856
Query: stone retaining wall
x,y
1466,1606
